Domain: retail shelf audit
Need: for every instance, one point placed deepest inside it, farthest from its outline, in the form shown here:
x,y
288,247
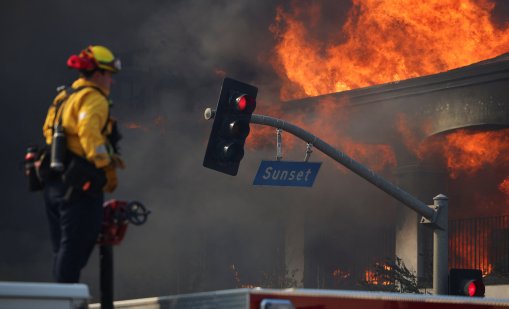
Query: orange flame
x,y
158,123
468,152
467,155
487,269
472,251
382,41
339,274
135,125
370,277
374,278
465,151
504,186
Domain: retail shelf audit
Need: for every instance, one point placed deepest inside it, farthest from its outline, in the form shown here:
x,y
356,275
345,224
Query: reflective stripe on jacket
x,y
84,116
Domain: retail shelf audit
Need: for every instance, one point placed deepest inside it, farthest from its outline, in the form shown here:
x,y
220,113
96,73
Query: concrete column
x,y
409,240
414,242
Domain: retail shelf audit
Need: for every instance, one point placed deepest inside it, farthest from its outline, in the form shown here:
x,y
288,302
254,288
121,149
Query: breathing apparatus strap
x,y
59,105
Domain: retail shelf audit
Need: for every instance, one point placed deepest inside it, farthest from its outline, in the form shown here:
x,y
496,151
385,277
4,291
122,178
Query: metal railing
x,y
480,243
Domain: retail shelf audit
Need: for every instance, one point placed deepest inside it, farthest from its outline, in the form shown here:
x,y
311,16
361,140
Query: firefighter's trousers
x,y
75,221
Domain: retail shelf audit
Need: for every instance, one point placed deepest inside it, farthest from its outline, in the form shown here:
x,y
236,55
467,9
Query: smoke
x,y
175,54
205,222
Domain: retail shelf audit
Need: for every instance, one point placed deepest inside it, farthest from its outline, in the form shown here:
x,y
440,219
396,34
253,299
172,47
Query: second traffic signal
x,y
466,282
225,148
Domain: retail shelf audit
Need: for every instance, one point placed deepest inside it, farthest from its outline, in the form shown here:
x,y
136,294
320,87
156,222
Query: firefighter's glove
x,y
111,178
117,161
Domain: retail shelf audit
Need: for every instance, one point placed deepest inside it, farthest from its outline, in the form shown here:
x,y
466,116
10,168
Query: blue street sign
x,y
287,173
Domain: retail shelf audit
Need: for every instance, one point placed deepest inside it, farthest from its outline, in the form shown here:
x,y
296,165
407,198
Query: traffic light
x,y
466,282
230,129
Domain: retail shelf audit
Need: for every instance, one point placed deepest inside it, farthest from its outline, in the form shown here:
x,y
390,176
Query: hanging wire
x,y
309,150
279,145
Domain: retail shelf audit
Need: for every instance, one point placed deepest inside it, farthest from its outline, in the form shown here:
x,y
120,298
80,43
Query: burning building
x,y
415,91
447,133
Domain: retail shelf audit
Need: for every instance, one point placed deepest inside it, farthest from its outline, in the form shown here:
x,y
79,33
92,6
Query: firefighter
x,y
76,176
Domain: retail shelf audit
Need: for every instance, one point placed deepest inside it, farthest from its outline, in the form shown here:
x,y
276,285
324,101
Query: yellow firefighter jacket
x,y
85,118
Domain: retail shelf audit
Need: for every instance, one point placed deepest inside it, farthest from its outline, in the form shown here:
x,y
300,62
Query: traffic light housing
x,y
466,282
230,129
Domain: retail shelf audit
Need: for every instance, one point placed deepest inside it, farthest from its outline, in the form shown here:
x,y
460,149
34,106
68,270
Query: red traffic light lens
x,y
245,103
474,288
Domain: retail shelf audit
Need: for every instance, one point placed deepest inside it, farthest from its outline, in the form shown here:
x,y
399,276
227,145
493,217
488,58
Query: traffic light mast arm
x,y
356,167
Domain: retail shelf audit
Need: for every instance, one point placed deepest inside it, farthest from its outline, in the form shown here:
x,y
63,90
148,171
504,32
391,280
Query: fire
x,y
472,244
341,278
339,274
504,186
381,41
134,125
375,278
486,269
157,123
467,155
370,277
466,152
467,255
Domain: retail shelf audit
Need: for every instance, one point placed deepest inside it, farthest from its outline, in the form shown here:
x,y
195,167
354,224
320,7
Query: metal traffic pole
x,y
441,245
436,216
